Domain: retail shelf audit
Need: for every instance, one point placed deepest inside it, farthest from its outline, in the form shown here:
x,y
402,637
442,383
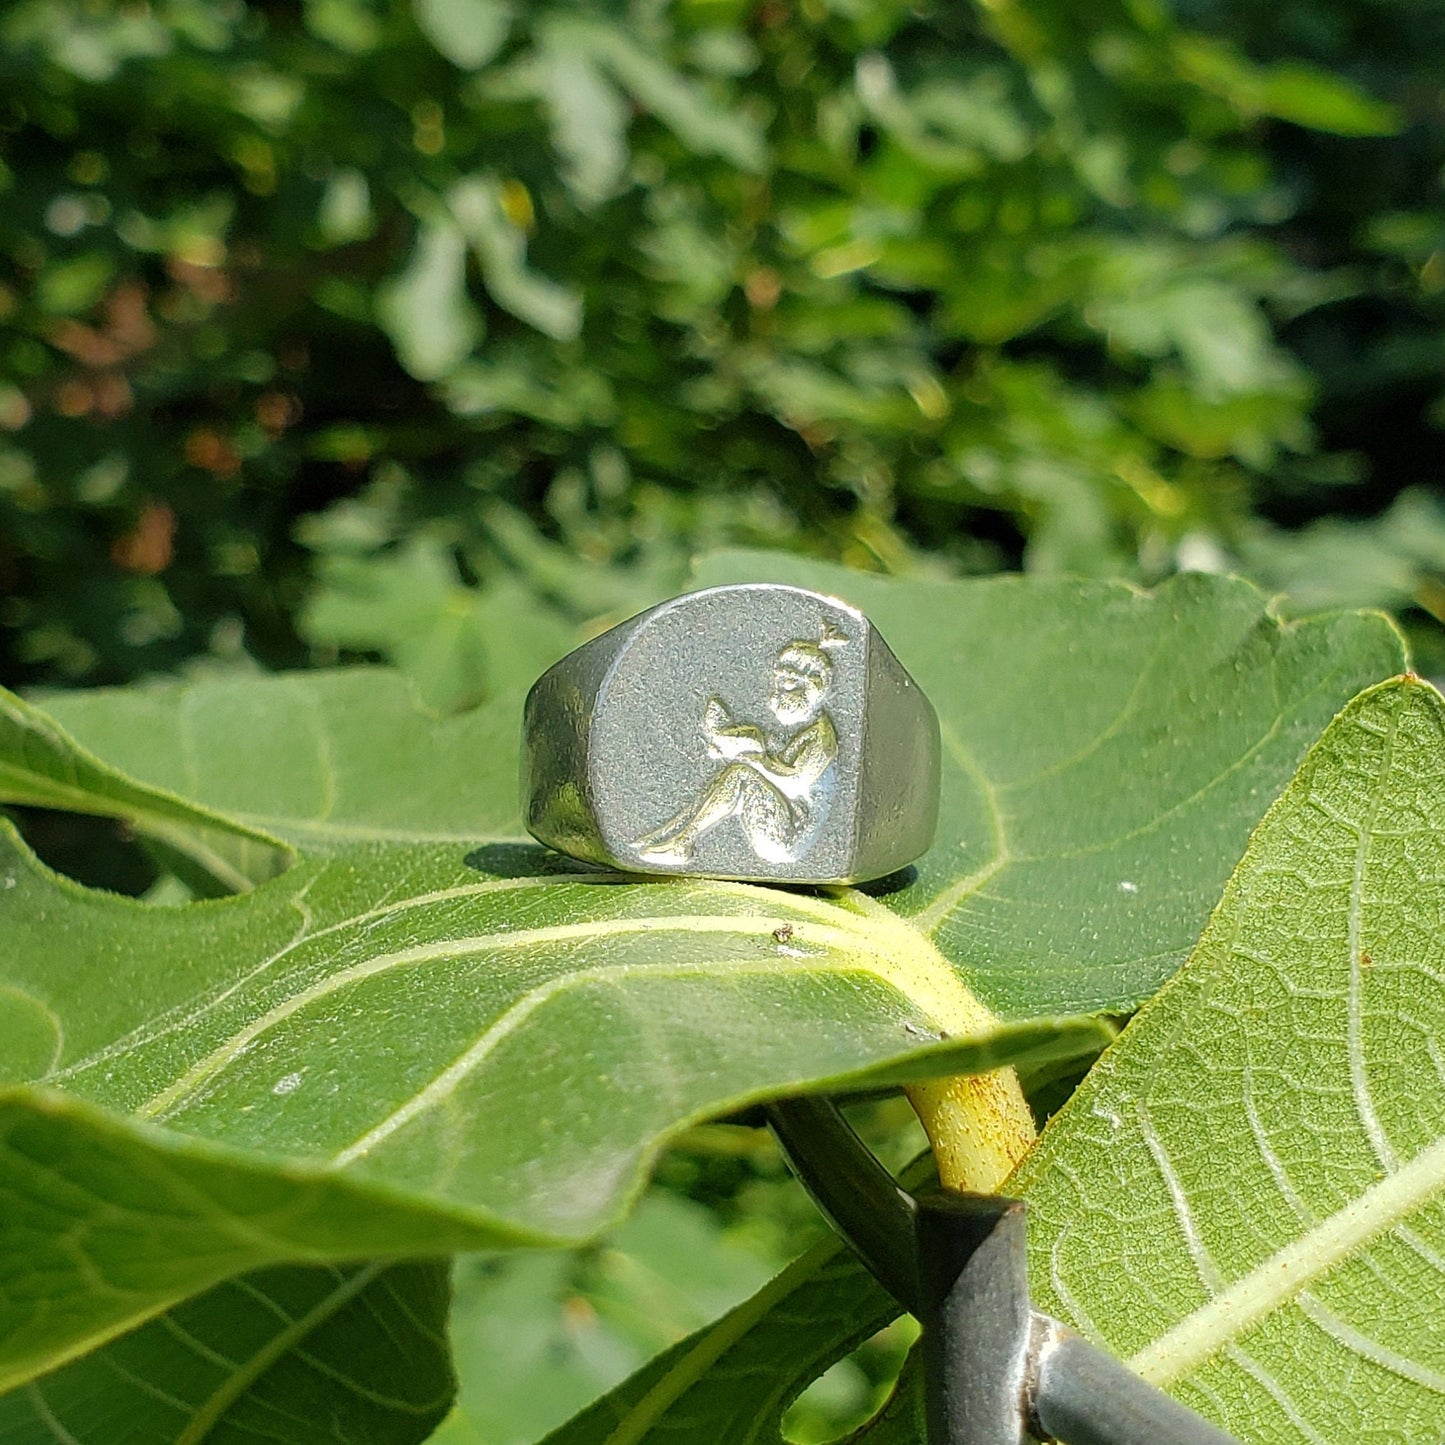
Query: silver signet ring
x,y
756,732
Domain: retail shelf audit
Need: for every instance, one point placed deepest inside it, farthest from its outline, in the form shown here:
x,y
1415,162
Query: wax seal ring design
x,y
756,732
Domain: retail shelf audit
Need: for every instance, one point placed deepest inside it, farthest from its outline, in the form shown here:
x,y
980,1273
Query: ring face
x,y
756,732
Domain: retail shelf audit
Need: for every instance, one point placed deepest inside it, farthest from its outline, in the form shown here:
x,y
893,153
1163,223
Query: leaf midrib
x,y
1380,1144
149,1033
930,984
841,912
1286,1273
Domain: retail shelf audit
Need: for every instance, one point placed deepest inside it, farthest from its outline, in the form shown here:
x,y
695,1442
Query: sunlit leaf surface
x,y
395,1052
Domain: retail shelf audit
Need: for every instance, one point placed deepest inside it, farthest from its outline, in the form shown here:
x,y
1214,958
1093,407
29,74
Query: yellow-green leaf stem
x,y
979,1125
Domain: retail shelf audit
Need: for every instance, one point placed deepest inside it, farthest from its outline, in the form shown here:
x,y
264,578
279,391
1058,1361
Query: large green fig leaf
x,y
286,1356
428,1035
539,1335
385,1051
1246,1197
1106,753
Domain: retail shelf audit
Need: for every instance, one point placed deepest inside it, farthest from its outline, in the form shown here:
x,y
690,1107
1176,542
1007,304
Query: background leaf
x,y
736,1378
468,32
680,102
538,1336
457,645
289,1356
425,310
498,237
589,115
863,283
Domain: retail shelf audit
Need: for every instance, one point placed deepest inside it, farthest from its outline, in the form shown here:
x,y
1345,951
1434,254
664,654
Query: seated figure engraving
x,y
777,784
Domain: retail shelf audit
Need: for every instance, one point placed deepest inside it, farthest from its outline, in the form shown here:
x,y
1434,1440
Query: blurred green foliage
x,y
539,1336
365,326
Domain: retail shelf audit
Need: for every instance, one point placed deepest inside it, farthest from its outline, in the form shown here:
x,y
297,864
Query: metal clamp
x,y
996,1370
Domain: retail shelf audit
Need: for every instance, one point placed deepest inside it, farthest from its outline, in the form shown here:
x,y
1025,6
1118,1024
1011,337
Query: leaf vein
x,y
1345,1334
1287,1272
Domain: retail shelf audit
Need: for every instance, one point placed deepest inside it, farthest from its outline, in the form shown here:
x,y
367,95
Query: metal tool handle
x,y
863,1202
1085,1396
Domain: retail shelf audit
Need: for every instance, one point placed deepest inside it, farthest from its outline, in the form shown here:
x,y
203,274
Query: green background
x,y
352,328
443,332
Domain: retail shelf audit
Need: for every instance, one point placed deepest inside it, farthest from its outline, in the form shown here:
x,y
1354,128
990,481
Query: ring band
x,y
754,732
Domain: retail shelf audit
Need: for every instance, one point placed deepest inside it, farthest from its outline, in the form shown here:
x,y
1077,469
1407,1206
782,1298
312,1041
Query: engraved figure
x,y
777,784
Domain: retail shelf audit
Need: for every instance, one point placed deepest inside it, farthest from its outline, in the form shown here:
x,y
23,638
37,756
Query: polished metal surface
x,y
757,732
973,1278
